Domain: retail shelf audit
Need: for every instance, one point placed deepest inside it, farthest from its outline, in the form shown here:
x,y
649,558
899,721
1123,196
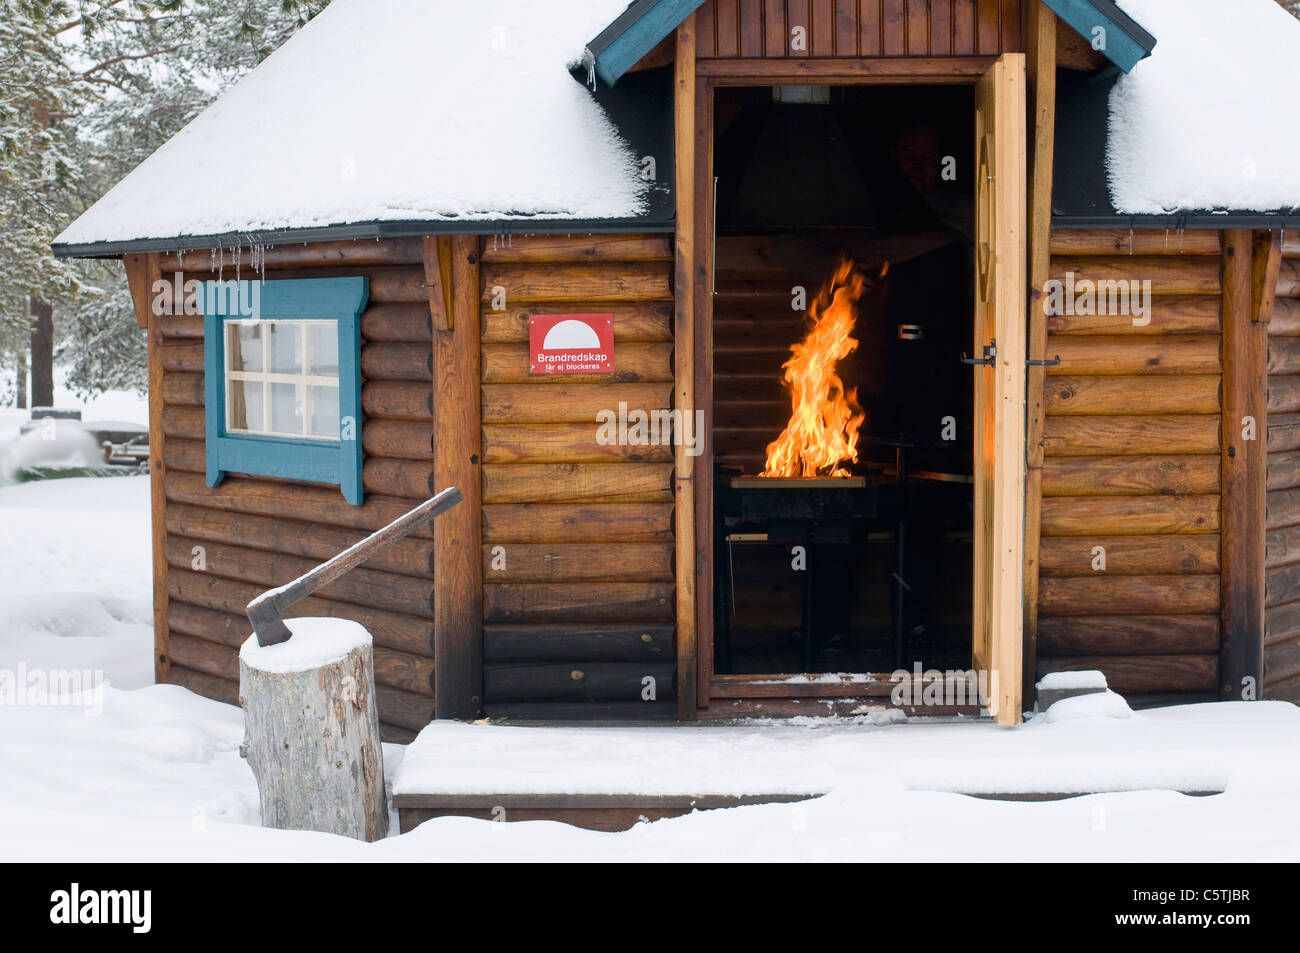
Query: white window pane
x,y
244,405
244,346
286,408
324,416
323,350
286,348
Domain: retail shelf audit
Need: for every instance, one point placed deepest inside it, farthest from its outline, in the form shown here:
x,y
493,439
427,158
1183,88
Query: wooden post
x,y
1245,384
1041,60
141,273
311,730
457,455
684,372
703,332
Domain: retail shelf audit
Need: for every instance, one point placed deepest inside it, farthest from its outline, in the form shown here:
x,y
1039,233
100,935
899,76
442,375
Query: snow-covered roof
x,y
1206,122
391,111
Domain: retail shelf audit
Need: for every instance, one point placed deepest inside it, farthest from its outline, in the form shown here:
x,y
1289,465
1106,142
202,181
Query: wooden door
x,y
1000,302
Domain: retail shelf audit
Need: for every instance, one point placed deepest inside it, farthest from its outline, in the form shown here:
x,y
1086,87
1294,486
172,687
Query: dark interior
x,y
872,573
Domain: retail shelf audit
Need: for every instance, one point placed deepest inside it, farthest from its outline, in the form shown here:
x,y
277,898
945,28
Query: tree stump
x,y
311,729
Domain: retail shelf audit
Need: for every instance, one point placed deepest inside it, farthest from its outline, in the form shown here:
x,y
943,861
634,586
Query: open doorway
x,y
849,209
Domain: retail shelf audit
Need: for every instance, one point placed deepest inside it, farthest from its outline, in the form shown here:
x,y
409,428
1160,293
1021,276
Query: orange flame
x,y
821,436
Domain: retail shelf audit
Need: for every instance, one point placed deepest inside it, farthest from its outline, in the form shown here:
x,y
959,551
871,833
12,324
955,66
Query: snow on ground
x,y
1191,127
141,771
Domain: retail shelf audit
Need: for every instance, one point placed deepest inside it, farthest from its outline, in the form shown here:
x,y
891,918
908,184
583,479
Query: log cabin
x,y
1063,406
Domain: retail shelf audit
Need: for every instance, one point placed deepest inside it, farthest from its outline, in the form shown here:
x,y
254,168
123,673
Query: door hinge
x,y
989,358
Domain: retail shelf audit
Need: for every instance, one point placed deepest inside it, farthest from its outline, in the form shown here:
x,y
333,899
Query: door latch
x,y
989,358
1052,363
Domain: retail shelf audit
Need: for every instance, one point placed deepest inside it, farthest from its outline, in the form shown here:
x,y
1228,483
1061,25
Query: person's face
x,y
917,155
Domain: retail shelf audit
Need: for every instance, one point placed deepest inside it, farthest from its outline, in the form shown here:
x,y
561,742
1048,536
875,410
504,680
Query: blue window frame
x,y
282,382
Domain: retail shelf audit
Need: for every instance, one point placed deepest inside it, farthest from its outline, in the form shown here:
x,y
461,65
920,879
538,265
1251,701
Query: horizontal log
x,y
1121,394
596,282
1179,475
1288,278
1285,319
1282,621
562,443
1283,355
1281,584
302,502
1124,241
408,595
202,655
184,356
569,522
182,327
388,251
574,562
397,362
397,322
1128,595
182,388
1282,546
601,712
1283,470
1169,275
578,248
188,456
577,482
590,642
1128,635
578,682
406,439
1129,555
1281,664
201,683
1169,314
643,321
318,541
1138,674
184,423
1281,508
389,629
1133,354
556,402
1283,432
408,479
578,602
1137,434
227,628
397,400
633,362
404,709
1283,393
1129,515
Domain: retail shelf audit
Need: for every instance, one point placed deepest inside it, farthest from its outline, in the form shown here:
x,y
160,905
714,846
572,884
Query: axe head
x,y
267,624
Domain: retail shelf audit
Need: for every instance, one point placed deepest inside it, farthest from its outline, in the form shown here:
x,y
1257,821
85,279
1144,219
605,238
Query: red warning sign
x,y
571,343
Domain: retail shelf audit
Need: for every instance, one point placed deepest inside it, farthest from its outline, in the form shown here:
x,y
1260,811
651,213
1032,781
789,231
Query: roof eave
x,y
359,231
1124,42
636,31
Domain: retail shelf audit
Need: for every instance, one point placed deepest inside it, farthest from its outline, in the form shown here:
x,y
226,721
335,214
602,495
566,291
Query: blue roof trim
x,y
634,34
1125,42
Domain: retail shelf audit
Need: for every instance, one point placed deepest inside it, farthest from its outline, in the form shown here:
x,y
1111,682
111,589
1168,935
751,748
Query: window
x,y
283,381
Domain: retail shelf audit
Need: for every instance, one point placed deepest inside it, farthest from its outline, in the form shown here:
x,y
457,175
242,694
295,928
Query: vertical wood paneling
x,y
869,12
776,36
941,29
918,27
706,27
726,30
1011,26
963,27
846,27
751,27
893,23
823,28
988,27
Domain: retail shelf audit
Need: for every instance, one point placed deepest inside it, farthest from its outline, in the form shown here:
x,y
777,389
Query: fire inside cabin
x,y
843,414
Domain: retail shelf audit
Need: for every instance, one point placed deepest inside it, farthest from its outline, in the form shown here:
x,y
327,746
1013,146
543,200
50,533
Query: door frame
x,y
695,254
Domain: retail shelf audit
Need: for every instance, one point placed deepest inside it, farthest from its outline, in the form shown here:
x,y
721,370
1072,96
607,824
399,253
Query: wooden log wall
x,y
224,545
1282,511
578,577
1131,444
731,29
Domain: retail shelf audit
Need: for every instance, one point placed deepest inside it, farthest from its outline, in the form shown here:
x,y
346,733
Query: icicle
x,y
212,259
239,253
1130,238
1166,238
